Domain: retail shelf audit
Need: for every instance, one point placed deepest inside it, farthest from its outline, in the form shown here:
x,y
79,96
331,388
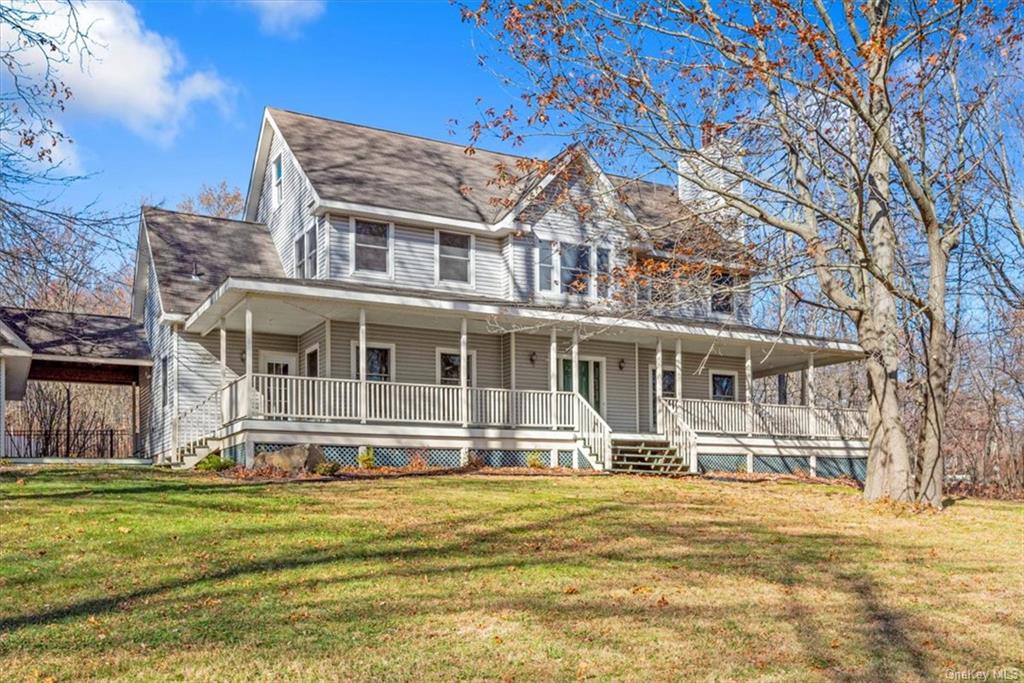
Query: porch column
x,y
327,346
513,417
679,369
636,384
748,389
464,372
553,376
362,366
576,374
3,407
810,394
223,373
247,406
658,388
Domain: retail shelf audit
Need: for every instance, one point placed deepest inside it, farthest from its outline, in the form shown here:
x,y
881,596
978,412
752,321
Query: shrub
x,y
214,463
326,468
418,459
535,460
366,459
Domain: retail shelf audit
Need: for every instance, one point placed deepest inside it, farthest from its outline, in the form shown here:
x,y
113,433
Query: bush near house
x,y
132,574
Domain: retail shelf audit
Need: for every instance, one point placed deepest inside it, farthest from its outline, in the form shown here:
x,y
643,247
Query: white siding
x,y
157,417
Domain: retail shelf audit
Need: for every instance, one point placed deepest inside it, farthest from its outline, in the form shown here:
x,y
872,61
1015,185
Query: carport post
x,y
3,407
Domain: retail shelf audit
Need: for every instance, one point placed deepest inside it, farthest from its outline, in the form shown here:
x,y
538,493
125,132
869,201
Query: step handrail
x,y
592,429
678,433
199,422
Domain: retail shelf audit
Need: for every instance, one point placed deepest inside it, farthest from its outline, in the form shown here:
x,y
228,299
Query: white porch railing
x,y
678,433
199,422
592,430
766,419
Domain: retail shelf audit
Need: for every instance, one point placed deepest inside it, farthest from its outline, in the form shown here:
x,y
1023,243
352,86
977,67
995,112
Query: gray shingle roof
x,y
218,248
77,334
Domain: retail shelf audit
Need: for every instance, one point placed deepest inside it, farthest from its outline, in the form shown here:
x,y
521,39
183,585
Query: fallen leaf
x,y
124,529
571,590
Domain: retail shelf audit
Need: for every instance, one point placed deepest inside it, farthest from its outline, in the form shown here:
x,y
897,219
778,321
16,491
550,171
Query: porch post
x,y
513,417
810,395
464,372
576,374
223,373
327,346
679,369
362,366
748,389
636,384
247,407
659,371
3,407
553,376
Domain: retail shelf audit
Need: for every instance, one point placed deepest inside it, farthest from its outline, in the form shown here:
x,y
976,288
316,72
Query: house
x,y
384,291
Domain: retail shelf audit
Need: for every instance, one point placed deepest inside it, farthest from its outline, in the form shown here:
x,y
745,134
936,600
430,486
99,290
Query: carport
x,y
51,346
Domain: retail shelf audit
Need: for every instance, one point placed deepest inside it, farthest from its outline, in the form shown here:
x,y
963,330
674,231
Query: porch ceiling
x,y
294,309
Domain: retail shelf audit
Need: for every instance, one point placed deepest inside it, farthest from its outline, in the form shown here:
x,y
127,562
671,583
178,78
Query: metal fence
x,y
59,443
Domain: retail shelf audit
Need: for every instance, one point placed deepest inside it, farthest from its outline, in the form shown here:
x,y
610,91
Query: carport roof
x,y
83,336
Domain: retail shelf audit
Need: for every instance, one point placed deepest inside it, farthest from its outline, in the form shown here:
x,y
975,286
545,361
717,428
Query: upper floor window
x,y
306,249
570,268
722,295
371,246
604,272
545,266
454,257
163,381
575,269
278,180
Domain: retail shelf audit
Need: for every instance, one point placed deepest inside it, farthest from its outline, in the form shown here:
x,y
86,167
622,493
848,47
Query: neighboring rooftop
x,y
193,254
77,335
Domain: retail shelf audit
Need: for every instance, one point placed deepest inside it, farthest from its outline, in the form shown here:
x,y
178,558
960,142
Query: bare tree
x,y
856,129
215,200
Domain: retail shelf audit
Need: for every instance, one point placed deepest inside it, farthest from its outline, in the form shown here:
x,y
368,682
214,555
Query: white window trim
x,y
437,261
276,185
266,357
651,412
304,237
454,351
732,300
735,383
370,344
604,375
305,359
556,292
390,274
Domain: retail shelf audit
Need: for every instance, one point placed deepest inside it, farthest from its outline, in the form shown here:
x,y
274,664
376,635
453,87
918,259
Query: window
x,y
313,361
722,299
371,246
449,362
278,181
379,362
604,273
163,381
575,268
454,257
545,266
306,254
723,386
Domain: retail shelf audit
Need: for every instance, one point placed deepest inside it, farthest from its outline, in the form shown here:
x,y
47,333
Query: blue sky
x,y
177,98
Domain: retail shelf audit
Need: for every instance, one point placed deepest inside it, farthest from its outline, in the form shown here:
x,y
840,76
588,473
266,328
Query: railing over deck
x,y
767,419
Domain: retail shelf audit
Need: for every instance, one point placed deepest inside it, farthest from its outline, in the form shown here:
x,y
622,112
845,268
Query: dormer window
x,y
454,257
371,247
306,250
278,181
723,299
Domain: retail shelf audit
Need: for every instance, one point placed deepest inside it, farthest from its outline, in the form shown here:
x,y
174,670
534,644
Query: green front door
x,y
590,380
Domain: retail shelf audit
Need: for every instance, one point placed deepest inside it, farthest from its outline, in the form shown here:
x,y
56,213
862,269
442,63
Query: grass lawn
x,y
141,574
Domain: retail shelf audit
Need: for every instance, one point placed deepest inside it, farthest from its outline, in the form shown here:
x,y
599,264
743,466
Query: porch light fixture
x,y
533,357
622,364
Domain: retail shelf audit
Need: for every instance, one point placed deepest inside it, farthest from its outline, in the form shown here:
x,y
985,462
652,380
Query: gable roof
x,y
79,335
193,254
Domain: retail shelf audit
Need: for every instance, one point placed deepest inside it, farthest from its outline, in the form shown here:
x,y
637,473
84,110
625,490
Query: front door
x,y
591,379
278,392
668,390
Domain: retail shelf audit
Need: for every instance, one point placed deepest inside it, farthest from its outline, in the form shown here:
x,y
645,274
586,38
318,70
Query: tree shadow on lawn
x,y
576,539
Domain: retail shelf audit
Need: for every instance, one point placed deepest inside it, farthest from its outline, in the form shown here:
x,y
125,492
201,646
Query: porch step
x,y
646,456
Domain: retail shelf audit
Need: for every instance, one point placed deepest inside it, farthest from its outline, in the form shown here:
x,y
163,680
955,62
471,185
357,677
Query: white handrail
x,y
678,433
732,417
199,422
592,429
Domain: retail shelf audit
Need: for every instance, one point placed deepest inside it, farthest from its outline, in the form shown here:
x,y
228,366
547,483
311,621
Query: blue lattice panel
x,y
391,457
776,464
565,458
585,463
444,457
501,457
268,447
722,463
342,455
855,468
235,454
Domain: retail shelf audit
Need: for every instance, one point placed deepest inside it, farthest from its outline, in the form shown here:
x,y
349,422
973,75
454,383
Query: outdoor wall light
x,y
622,364
533,357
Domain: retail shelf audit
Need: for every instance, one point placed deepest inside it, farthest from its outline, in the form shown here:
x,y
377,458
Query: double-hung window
x,y
722,295
306,249
371,246
575,269
723,386
604,272
454,257
545,265
163,381
449,367
379,362
277,180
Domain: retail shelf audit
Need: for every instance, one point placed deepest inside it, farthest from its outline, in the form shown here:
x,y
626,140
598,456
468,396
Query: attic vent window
x,y
278,181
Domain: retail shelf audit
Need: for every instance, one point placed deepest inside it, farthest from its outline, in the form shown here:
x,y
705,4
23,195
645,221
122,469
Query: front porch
x,y
336,369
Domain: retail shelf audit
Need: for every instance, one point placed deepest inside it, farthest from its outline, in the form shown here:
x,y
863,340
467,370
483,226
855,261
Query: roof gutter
x,y
326,206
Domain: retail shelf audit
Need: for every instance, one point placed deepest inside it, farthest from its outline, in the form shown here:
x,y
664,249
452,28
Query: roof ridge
x,y
32,309
152,207
400,133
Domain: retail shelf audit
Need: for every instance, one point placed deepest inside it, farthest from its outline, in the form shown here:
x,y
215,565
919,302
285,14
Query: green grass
x,y
147,575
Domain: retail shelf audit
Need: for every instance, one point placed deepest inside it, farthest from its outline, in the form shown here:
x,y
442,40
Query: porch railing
x,y
678,433
734,417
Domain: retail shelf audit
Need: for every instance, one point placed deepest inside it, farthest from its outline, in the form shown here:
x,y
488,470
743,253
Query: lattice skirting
x,y
855,468
565,459
722,463
235,454
782,464
346,456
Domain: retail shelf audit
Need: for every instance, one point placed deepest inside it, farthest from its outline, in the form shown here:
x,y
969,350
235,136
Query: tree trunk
x,y
931,471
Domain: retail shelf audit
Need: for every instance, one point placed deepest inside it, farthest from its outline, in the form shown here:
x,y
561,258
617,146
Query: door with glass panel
x,y
277,393
591,379
380,360
668,390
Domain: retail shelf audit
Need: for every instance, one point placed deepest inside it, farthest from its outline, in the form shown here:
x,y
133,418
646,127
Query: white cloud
x,y
134,75
285,17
